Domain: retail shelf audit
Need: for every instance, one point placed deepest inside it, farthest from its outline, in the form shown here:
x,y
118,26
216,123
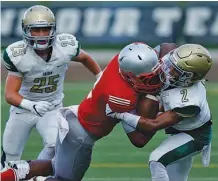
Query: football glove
x,y
38,108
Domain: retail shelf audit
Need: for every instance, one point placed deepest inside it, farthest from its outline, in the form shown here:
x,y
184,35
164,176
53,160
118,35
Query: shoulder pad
x,y
68,44
13,54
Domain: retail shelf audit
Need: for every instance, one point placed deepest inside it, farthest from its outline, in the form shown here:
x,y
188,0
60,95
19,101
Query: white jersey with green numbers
x,y
42,81
194,95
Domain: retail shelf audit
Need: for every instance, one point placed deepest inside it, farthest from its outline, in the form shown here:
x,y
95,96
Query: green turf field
x,y
114,158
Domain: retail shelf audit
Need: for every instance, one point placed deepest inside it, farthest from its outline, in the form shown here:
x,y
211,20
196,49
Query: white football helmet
x,y
139,65
38,16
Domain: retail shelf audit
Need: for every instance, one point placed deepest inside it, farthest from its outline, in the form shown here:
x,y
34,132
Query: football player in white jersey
x,y
34,86
187,116
185,69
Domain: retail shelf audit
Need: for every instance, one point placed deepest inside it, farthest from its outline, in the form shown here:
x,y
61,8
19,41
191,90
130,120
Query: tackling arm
x,y
89,63
147,108
147,125
162,121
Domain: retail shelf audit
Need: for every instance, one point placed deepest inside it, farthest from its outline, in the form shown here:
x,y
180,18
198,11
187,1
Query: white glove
x,y
21,168
112,114
41,107
38,108
128,118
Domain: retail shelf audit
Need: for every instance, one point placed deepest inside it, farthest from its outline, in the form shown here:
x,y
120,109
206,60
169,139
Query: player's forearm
x,y
17,100
89,63
13,98
12,87
162,121
92,65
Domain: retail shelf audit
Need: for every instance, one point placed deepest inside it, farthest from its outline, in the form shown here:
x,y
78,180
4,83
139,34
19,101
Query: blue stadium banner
x,y
201,25
122,22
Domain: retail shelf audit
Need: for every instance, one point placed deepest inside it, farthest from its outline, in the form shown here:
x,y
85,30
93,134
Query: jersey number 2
x,y
51,86
184,95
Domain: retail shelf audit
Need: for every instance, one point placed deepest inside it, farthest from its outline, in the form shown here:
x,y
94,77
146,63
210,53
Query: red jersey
x,y
110,88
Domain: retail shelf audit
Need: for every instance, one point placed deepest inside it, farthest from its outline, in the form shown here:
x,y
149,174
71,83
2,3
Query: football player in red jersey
x,y
131,73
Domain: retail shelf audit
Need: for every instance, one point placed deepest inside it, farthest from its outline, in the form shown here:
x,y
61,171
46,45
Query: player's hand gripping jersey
x,y
110,88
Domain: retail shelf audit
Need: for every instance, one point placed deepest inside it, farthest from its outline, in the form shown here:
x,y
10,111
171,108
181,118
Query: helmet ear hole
x,y
121,58
209,60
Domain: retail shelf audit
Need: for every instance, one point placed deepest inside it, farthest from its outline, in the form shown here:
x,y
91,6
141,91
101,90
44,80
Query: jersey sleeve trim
x,y
17,74
78,49
77,52
8,63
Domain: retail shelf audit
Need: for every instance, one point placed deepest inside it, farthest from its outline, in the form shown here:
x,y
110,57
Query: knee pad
x,y
9,156
76,169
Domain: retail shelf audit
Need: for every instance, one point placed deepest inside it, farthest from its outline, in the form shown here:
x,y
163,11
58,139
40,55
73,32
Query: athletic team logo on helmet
x,y
139,65
38,16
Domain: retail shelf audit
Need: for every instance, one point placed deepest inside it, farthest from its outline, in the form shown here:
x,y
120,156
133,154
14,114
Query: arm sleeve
x,y
187,111
127,128
8,63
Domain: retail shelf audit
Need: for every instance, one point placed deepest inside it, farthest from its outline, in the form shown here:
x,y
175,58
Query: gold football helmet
x,y
38,16
186,65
